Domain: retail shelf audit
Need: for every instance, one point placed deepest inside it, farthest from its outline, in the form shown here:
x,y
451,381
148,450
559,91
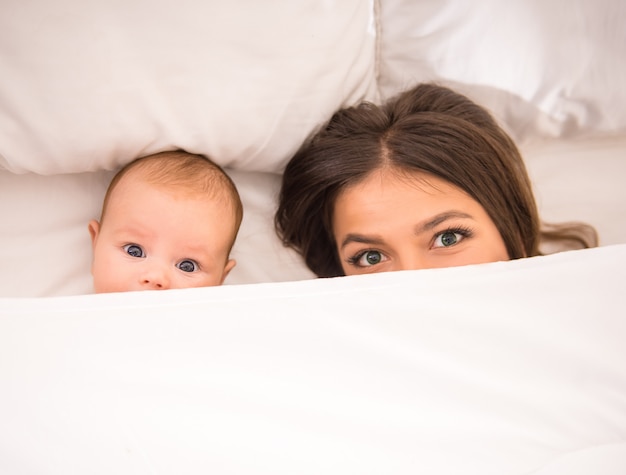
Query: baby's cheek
x,y
110,277
210,279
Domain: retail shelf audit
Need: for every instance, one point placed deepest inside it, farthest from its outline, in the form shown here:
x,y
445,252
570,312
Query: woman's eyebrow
x,y
440,218
435,221
362,239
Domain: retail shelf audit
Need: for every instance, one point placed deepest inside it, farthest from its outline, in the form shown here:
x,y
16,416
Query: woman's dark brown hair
x,y
429,129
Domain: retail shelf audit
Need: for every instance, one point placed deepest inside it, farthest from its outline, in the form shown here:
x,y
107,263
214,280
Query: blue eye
x,y
134,250
368,258
448,239
187,265
451,237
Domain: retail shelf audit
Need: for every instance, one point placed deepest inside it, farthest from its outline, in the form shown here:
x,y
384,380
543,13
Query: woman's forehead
x,y
393,178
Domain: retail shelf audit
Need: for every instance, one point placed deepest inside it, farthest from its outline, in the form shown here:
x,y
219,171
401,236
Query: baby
x,y
168,221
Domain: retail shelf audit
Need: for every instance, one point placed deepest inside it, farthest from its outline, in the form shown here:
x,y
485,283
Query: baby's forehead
x,y
136,198
129,180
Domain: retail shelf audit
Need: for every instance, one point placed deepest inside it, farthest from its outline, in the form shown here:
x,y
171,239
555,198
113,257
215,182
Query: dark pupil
x,y
448,239
373,257
186,266
134,251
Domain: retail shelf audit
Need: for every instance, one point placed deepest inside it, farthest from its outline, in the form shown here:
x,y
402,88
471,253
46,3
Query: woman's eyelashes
x,y
367,258
451,237
444,239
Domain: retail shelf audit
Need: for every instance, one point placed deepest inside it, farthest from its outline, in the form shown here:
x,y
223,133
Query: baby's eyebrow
x,y
438,219
195,249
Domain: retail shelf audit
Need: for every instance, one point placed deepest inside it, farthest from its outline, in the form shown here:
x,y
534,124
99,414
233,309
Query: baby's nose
x,y
155,278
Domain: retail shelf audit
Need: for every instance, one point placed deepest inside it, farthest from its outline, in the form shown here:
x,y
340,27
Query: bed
x,y
513,367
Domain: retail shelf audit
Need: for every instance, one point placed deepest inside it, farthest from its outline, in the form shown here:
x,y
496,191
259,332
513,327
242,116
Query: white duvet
x,y
506,368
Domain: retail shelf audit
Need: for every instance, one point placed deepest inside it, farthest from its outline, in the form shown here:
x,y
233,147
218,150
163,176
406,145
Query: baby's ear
x,y
94,229
227,268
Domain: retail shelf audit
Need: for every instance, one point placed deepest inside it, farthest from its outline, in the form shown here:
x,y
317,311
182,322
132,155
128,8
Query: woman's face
x,y
392,221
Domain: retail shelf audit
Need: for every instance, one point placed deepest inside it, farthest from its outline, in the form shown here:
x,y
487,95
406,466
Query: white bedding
x,y
373,374
57,262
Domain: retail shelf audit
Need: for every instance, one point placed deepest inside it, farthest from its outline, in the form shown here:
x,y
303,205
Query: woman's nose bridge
x,y
412,259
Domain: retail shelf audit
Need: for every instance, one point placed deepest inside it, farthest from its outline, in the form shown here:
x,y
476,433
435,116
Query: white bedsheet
x,y
506,368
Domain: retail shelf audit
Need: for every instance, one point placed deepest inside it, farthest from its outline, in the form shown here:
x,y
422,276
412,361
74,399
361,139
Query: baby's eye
x,y
448,238
134,250
187,265
369,258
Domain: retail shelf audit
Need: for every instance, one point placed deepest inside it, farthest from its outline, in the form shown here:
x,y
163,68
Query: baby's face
x,y
152,239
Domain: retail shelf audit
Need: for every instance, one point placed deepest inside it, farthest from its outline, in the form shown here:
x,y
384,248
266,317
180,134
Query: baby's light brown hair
x,y
188,173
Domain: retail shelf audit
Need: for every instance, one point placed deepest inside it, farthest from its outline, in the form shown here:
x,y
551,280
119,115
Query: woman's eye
x,y
370,258
447,239
187,266
134,250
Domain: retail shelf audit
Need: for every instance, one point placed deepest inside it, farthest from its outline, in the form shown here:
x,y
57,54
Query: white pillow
x,y
551,68
89,85
45,248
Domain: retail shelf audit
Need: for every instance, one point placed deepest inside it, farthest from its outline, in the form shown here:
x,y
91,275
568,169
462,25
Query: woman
x,y
426,180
